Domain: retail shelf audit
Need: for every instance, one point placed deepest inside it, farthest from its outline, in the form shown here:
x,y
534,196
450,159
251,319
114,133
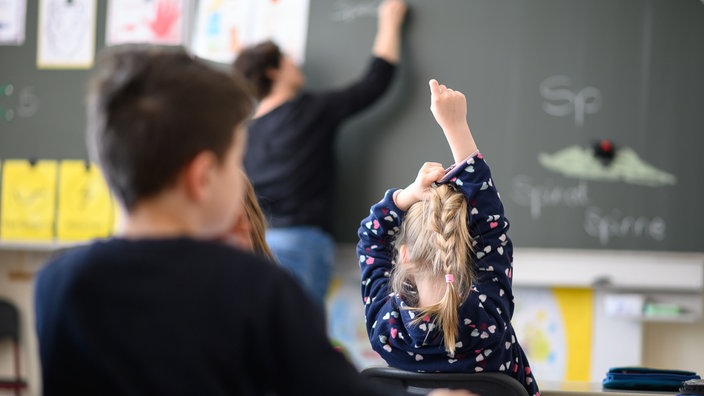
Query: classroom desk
x,y
557,388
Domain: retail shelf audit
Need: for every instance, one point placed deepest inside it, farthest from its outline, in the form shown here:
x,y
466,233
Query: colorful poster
x,y
346,322
85,206
146,21
28,205
224,27
66,34
554,327
12,21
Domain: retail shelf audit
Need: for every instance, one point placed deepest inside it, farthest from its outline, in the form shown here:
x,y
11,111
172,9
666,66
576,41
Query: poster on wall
x,y
84,208
224,27
28,201
554,327
146,21
12,21
66,34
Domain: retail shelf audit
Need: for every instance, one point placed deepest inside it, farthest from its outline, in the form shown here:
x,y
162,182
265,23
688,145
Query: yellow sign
x,y
85,205
28,206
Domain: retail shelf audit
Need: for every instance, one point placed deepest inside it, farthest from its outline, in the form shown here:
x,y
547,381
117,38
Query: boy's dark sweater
x,y
181,317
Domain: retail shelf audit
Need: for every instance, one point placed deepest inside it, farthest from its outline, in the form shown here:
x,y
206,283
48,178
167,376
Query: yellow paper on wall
x,y
577,309
28,208
85,205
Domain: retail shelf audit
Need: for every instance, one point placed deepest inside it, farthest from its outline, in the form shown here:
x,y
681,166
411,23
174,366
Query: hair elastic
x,y
449,278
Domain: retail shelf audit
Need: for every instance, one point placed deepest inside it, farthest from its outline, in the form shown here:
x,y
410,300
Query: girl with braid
x,y
436,264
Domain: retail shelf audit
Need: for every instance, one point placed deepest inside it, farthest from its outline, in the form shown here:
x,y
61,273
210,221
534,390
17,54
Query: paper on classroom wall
x,y
346,323
66,34
224,27
12,21
554,328
28,200
146,21
85,205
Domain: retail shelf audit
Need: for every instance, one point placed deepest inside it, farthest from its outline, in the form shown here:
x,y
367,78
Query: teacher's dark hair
x,y
254,62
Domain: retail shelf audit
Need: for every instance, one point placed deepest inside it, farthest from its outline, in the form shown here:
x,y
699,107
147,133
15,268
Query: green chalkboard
x,y
544,80
46,112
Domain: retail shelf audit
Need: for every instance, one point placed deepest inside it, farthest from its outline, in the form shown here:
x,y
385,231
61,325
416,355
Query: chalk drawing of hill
x,y
580,163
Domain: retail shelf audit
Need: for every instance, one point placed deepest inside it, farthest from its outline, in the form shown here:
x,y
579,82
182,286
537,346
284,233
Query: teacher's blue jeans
x,y
308,254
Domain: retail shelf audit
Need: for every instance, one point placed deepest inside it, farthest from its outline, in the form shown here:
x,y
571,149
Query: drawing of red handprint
x,y
167,13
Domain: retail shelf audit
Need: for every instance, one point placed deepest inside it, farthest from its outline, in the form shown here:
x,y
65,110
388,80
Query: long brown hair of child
x,y
257,221
438,245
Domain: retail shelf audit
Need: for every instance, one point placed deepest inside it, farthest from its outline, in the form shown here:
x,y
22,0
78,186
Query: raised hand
x,y
449,107
387,42
429,173
391,14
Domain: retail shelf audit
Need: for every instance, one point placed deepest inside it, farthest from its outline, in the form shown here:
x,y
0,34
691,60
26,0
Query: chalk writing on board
x,y
25,104
6,113
526,192
614,224
627,166
28,103
347,11
603,225
561,100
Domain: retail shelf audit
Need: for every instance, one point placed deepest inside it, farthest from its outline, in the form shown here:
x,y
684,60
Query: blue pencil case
x,y
644,378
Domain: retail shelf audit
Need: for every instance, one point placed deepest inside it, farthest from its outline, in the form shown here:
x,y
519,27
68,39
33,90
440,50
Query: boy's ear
x,y
198,176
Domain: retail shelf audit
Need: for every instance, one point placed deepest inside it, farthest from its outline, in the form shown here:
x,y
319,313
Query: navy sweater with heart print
x,y
487,341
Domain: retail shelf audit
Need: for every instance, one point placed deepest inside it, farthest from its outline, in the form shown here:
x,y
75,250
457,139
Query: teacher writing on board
x,y
290,150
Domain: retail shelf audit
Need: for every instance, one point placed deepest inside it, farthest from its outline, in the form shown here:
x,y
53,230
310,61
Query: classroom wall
x,y
674,345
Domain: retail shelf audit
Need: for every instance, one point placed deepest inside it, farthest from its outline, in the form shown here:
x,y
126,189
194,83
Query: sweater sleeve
x,y
355,97
376,252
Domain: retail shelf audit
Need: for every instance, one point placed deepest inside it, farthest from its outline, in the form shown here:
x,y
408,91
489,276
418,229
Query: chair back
x,y
9,321
483,384
10,328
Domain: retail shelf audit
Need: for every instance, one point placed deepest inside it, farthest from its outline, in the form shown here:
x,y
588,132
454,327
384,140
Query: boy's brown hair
x,y
150,110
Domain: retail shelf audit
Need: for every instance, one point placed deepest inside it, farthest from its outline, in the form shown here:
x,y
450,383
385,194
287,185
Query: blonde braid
x,y
441,244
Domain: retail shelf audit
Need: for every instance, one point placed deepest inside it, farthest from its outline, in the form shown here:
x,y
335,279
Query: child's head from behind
x,y
154,112
434,243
